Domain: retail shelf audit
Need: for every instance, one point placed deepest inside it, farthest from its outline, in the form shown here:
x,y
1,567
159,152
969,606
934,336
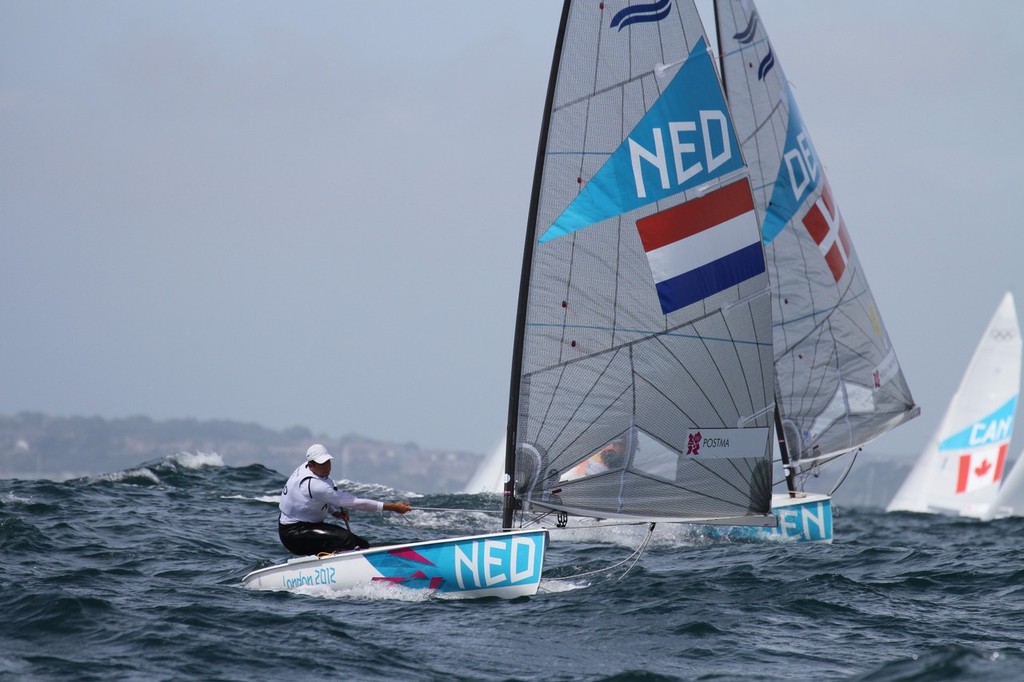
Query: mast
x,y
721,55
508,501
784,453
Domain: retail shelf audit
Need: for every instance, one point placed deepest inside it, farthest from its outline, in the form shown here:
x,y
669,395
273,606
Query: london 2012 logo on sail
x,y
693,444
696,440
741,443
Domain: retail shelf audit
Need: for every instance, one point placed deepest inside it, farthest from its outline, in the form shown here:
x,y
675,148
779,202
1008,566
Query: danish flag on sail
x,y
829,232
978,471
704,246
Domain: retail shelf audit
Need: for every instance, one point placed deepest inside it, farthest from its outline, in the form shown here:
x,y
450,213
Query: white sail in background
x,y
838,381
489,476
1009,501
961,469
643,377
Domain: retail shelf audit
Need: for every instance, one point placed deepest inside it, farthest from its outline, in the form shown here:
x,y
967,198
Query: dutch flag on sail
x,y
703,246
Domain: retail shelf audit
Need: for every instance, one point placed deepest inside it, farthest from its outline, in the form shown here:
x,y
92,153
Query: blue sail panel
x,y
685,139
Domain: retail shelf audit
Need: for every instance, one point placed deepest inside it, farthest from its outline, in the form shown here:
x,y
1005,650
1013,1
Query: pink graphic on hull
x,y
407,554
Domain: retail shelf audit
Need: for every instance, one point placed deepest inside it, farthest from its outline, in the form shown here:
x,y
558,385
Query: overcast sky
x,y
312,213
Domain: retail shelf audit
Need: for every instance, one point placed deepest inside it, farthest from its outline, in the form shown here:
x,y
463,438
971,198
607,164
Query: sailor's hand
x,y
341,514
400,507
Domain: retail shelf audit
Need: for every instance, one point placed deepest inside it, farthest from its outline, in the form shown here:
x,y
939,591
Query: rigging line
x,y
604,524
415,530
523,523
845,473
458,509
637,553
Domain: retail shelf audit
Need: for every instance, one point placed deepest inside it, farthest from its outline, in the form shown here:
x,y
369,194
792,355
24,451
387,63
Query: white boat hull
x,y
505,565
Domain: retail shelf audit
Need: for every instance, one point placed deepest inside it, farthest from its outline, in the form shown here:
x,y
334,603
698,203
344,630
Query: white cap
x,y
318,453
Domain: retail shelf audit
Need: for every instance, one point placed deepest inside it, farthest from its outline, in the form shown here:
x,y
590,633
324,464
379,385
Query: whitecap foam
x,y
269,499
457,521
128,474
11,498
378,591
556,585
373,490
196,460
625,534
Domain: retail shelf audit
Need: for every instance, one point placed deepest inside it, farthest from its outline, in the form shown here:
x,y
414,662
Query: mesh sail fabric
x,y
838,381
646,331
575,408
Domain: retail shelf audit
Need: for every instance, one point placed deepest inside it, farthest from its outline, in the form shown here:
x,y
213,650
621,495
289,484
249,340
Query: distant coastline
x,y
38,445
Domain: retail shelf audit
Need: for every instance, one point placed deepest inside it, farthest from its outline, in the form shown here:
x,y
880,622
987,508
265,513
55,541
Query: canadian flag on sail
x,y
827,228
978,470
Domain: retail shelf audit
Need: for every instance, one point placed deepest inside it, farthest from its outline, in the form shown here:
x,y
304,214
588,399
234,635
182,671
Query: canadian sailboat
x,y
960,472
648,374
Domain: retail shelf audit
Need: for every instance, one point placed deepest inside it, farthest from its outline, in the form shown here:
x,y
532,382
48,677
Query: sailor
x,y
309,496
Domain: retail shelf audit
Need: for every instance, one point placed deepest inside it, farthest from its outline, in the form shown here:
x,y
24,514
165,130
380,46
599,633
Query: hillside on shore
x,y
36,445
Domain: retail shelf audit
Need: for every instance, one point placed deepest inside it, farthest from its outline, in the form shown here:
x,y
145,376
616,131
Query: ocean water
x,y
137,575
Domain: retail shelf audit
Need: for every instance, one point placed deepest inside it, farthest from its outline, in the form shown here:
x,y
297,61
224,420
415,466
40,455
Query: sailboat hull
x,y
805,518
505,565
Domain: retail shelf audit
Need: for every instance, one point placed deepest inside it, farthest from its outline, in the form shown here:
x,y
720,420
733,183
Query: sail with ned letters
x,y
838,382
643,370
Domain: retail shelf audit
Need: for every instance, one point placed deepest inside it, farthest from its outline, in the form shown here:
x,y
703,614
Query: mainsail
x,y
643,369
838,383
961,469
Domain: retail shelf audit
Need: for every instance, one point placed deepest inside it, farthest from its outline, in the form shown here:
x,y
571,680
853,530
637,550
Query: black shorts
x,y
304,538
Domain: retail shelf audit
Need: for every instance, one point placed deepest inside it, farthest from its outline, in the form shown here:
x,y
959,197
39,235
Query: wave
x,y
149,577
196,460
13,498
183,469
139,476
269,498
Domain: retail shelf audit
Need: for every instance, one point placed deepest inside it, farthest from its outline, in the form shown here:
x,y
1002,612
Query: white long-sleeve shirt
x,y
310,498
